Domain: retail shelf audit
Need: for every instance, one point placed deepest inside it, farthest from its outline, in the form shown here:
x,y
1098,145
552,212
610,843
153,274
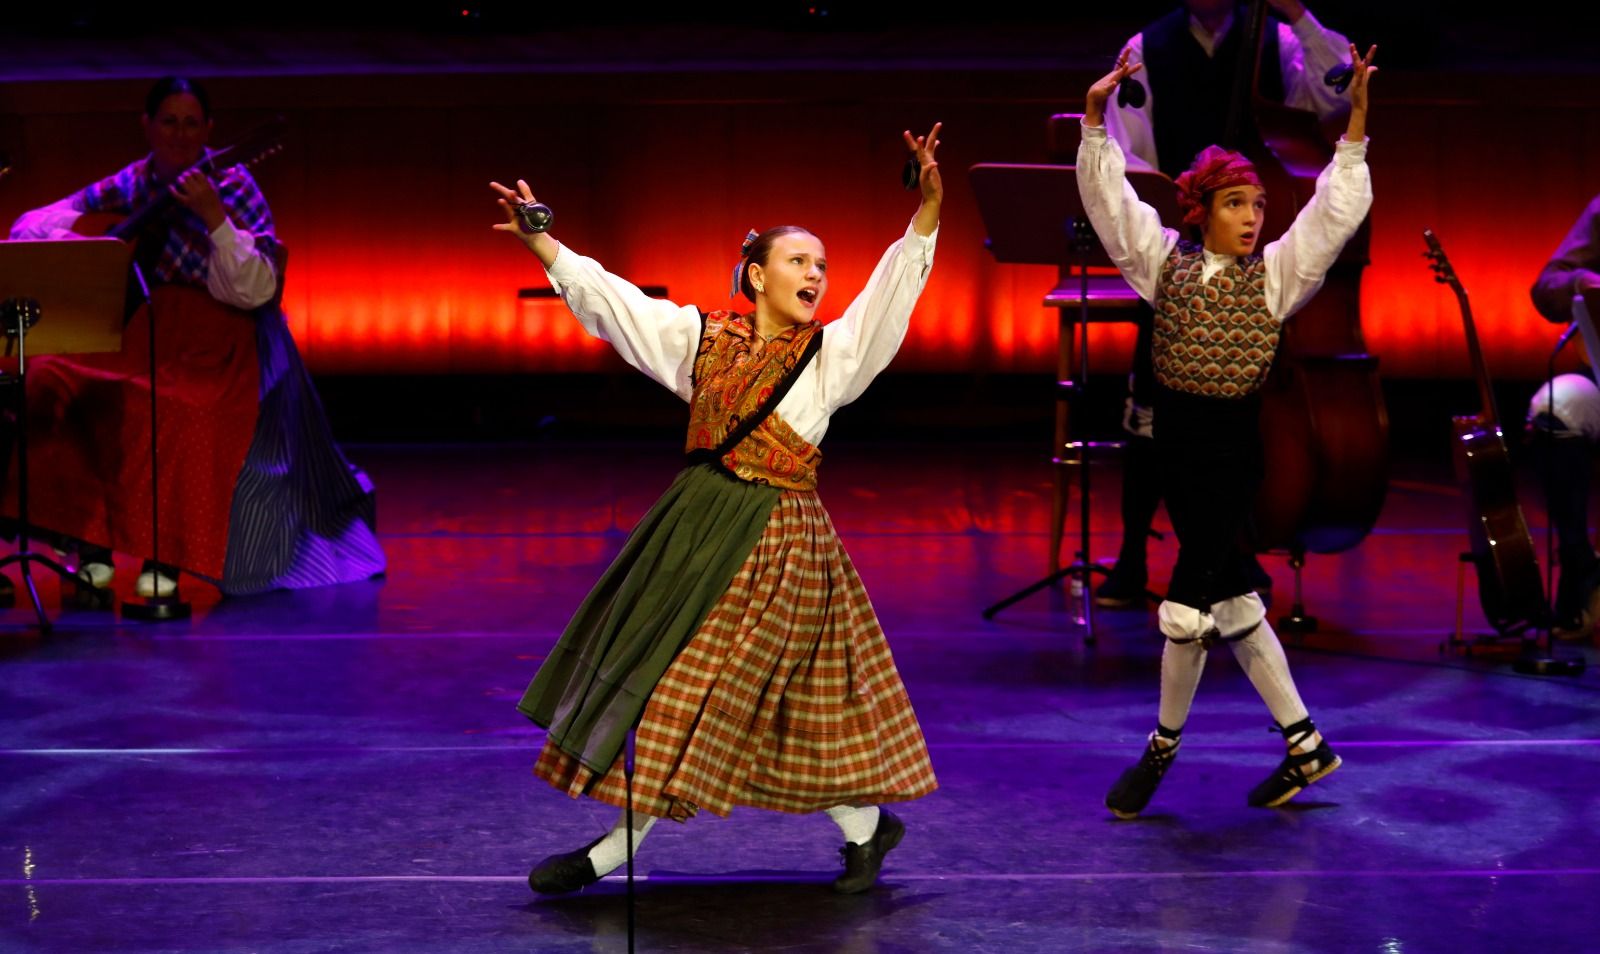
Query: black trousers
x,y
1209,454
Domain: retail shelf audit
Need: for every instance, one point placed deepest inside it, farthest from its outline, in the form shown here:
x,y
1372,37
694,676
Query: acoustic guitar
x,y
263,141
144,226
1510,588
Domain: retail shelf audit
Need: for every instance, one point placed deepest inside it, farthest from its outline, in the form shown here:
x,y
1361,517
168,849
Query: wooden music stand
x,y
76,291
81,285
1034,216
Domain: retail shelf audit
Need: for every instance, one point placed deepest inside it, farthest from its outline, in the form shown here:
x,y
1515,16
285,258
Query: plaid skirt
x,y
785,697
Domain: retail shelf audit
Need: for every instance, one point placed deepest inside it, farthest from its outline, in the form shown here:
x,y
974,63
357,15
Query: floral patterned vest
x,y
1218,339
732,381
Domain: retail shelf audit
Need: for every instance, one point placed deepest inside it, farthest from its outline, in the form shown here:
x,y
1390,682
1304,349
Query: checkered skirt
x,y
786,697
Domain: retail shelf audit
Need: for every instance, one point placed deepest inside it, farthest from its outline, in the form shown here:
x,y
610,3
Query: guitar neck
x,y
259,143
139,220
1480,369
1445,274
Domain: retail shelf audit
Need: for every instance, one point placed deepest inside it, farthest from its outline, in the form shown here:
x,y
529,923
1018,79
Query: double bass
x,y
1324,424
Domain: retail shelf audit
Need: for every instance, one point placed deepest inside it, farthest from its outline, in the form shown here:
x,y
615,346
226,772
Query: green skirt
x,y
674,568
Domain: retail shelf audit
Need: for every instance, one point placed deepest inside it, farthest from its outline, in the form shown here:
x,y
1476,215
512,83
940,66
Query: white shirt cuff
x,y
1347,153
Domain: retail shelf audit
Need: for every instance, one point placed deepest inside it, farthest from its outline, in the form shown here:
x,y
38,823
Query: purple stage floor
x,y
343,769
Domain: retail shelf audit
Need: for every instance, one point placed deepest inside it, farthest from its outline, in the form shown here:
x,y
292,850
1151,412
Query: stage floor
x,y
343,769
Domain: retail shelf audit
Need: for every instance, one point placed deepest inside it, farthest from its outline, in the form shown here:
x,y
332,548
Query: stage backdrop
x,y
381,194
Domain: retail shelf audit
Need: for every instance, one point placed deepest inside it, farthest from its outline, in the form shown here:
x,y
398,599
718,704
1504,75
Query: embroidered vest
x,y
1217,339
731,382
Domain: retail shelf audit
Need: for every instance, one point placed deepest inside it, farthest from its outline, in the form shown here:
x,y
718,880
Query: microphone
x,y
1566,336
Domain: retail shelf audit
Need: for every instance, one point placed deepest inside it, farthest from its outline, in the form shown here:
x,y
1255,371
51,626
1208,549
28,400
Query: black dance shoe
x,y
1297,770
1135,786
1123,586
564,874
863,862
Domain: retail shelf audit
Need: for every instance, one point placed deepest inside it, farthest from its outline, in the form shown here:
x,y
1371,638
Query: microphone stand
x,y
1533,661
154,608
627,776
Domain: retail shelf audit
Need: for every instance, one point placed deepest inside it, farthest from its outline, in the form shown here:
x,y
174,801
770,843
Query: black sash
x,y
748,425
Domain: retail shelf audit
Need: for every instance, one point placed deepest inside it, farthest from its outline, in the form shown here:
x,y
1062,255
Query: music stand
x,y
1034,215
76,290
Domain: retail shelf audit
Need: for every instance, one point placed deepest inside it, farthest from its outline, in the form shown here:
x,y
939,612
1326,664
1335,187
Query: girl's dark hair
x,y
172,86
760,249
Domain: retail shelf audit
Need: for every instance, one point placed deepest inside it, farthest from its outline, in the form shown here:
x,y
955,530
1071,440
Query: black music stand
x,y
1035,216
76,291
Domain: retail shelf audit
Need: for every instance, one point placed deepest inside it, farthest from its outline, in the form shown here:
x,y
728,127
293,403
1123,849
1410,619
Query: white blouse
x,y
661,338
1306,52
1296,263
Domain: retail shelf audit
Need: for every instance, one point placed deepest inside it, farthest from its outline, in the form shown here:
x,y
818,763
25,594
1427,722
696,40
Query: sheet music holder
x,y
1034,215
81,286
1025,209
78,290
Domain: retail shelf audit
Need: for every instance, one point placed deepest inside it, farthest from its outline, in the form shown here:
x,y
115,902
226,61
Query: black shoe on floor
x,y
1573,628
1135,786
563,874
863,862
1297,770
1123,587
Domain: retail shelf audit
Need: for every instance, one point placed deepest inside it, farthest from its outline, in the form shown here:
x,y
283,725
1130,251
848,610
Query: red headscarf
x,y
1215,168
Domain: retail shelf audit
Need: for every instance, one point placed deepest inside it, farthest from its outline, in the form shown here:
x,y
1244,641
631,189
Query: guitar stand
x,y
1456,640
1528,657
